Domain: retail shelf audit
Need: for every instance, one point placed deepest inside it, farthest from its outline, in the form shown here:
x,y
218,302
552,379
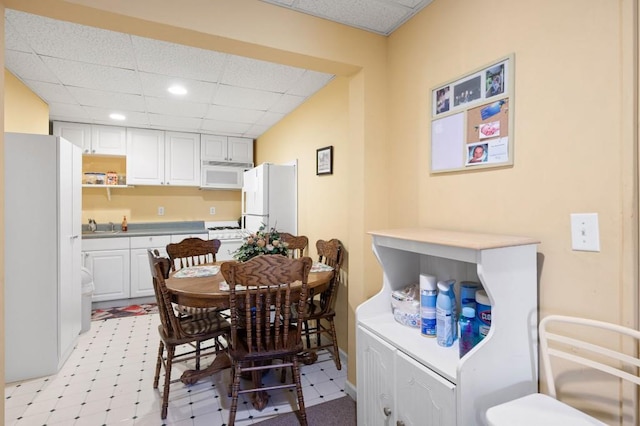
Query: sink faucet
x,y
113,226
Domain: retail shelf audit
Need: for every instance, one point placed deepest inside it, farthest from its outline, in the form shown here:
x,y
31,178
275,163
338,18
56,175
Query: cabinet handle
x,y
93,151
387,411
399,423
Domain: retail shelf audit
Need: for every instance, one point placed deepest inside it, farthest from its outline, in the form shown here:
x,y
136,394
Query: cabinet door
x,y
422,396
182,159
375,376
77,133
141,283
108,140
145,157
240,150
214,148
110,270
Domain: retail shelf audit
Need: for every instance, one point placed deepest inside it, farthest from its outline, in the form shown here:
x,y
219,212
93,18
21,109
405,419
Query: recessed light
x,y
116,116
177,90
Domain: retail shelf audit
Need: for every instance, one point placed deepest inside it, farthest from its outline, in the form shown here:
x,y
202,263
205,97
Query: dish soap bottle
x,y
124,223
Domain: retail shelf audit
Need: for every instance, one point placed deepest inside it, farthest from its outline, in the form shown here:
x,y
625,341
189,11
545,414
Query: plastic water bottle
x,y
428,295
467,330
444,315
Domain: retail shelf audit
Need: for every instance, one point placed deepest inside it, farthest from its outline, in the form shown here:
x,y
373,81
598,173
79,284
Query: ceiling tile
x,y
110,100
225,127
156,85
68,112
175,123
361,13
13,40
239,115
287,103
101,115
310,83
254,74
52,92
27,66
61,39
245,98
270,118
176,60
91,76
179,108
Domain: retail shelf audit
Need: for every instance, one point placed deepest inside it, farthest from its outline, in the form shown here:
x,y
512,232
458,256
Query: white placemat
x,y
197,271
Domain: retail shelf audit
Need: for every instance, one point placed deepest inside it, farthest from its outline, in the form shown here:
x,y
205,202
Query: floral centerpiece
x,y
262,242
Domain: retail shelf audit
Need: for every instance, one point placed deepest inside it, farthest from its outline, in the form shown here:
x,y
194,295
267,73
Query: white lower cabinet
x,y
400,391
141,282
108,261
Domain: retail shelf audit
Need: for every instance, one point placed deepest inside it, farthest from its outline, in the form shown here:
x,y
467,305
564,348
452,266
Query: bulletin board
x,y
472,119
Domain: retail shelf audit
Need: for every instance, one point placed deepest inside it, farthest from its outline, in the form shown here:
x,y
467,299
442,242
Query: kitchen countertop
x,y
145,229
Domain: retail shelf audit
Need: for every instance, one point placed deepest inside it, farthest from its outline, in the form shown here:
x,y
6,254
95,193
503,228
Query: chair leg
x,y
336,353
295,371
156,378
234,396
197,355
305,325
167,380
319,333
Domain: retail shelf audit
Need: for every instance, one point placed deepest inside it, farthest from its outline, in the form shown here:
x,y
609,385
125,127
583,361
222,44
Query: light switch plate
x,y
585,235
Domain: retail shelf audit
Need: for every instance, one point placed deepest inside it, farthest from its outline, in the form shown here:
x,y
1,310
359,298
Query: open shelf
x,y
109,187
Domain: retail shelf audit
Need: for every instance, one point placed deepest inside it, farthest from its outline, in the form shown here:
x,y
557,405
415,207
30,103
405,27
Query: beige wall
x,y
321,199
27,112
575,149
575,144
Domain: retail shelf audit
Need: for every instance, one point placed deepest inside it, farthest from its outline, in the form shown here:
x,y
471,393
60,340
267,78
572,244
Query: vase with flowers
x,y
261,242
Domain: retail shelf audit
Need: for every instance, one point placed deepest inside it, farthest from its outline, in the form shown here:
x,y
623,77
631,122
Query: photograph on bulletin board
x,y
472,119
488,131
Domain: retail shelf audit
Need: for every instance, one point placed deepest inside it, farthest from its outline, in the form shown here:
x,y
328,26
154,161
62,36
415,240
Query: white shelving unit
x,y
405,378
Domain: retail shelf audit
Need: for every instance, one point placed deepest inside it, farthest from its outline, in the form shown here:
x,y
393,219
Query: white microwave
x,y
221,177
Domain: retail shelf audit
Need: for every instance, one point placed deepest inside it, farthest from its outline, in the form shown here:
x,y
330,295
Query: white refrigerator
x,y
269,196
42,225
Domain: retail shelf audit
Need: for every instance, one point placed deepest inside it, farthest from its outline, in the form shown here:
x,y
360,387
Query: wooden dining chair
x,y
257,336
176,330
321,308
192,251
296,244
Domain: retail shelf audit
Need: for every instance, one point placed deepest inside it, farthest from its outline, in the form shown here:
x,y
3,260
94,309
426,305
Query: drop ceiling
x,y
85,74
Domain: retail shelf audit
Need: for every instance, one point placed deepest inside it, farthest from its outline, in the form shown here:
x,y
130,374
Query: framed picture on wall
x,y
324,161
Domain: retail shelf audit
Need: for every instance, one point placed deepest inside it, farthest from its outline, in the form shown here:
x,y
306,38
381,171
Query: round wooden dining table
x,y
210,292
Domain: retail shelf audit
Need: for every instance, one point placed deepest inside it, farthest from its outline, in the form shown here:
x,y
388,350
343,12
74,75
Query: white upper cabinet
x,y
145,157
108,140
94,139
227,149
155,157
182,159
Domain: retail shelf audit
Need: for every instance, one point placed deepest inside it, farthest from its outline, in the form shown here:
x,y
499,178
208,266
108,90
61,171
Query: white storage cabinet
x,y
227,149
155,157
404,378
94,139
108,260
141,282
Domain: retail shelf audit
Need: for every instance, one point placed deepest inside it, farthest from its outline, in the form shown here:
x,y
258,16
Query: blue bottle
x,y
428,296
467,330
454,307
444,315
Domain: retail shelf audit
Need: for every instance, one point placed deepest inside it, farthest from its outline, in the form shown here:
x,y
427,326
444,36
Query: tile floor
x,y
108,380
